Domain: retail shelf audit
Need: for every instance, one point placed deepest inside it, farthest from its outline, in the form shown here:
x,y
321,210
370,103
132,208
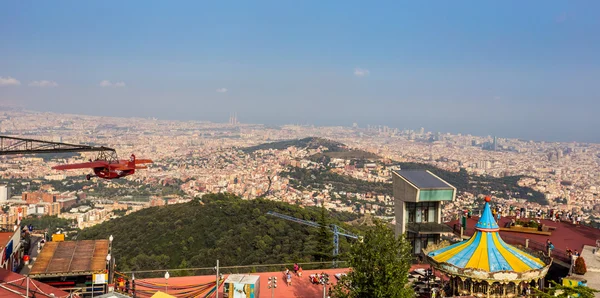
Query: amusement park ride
x,y
106,165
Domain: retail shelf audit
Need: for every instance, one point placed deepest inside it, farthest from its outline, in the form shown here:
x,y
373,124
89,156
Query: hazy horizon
x,y
511,69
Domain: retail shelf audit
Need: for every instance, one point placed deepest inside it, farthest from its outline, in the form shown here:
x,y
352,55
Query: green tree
x,y
324,238
51,224
560,291
380,265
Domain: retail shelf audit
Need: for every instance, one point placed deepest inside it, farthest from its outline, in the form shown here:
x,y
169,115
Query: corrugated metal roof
x,y
423,179
71,258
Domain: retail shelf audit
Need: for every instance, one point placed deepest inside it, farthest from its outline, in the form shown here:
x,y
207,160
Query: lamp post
x,y
324,280
133,284
218,278
272,285
108,258
110,240
167,282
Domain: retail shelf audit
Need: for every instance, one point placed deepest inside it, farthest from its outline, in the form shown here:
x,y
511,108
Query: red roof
x,y
15,285
5,237
301,286
566,235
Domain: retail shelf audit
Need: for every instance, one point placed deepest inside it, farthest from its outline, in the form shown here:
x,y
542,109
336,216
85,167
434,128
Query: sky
x,y
518,69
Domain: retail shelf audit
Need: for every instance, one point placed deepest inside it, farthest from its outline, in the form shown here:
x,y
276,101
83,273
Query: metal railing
x,y
232,269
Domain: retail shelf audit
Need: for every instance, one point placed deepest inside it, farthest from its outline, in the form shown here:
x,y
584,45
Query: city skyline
x,y
234,120
510,69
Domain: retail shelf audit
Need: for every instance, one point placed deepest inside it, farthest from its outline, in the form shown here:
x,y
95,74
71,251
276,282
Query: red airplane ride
x,y
108,169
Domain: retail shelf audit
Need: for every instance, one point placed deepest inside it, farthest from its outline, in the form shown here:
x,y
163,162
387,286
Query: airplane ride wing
x,y
141,161
123,167
85,165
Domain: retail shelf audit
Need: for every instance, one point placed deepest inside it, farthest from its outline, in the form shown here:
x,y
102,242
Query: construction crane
x,y
337,230
12,146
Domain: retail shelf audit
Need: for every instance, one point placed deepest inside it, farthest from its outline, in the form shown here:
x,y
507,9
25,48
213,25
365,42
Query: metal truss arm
x,y
301,221
12,145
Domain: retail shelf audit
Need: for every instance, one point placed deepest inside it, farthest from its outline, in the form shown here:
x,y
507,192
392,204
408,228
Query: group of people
x,y
571,253
288,275
322,278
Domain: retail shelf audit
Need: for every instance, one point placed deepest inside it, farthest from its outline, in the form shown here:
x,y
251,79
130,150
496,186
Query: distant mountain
x,y
308,143
465,182
318,178
220,226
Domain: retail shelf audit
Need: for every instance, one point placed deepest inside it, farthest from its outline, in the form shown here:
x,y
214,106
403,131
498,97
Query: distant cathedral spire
x,y
233,119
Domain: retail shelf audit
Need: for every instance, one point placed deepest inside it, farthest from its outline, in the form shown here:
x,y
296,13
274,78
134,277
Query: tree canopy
x,y
379,267
219,226
560,291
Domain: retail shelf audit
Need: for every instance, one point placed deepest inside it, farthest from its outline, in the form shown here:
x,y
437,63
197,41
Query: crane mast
x,y
337,230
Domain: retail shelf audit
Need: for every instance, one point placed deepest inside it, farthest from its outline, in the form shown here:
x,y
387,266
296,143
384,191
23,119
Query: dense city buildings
x,y
193,158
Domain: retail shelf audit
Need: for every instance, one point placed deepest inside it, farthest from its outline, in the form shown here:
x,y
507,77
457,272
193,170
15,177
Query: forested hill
x,y
310,143
220,226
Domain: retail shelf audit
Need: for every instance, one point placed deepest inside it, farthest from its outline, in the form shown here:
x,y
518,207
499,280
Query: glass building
x,y
418,195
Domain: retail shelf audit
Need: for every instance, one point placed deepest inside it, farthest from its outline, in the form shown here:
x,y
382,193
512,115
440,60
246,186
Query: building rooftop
x,y
70,258
5,238
564,235
15,285
301,286
423,179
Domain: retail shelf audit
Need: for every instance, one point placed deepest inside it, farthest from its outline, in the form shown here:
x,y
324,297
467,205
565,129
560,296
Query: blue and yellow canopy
x,y
485,250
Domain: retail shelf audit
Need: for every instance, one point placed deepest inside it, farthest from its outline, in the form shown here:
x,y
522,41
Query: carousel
x,y
486,266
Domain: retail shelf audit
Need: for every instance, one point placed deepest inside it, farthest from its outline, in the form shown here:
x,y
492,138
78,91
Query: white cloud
x,y
107,83
222,90
361,72
43,83
9,81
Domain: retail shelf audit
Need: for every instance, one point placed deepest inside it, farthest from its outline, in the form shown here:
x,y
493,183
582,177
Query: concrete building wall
x,y
4,193
403,192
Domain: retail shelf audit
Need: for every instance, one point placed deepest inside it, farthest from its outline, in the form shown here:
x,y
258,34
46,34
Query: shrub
x,y
580,267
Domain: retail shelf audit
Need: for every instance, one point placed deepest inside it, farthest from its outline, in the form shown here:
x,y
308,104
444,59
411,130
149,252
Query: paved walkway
x,y
33,252
592,260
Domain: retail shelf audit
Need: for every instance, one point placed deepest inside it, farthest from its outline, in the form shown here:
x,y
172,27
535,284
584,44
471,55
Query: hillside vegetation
x,y
348,154
220,226
502,187
317,178
308,143
464,182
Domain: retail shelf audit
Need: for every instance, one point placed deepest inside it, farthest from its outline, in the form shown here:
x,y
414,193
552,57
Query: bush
x,y
580,267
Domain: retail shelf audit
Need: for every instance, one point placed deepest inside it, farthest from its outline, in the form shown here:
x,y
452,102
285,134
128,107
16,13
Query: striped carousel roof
x,y
485,250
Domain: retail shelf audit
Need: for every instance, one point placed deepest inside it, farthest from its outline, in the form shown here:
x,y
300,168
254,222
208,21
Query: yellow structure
x,y
160,294
485,265
58,237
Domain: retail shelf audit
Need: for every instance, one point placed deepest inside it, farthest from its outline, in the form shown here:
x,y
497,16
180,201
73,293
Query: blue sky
x,y
528,69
